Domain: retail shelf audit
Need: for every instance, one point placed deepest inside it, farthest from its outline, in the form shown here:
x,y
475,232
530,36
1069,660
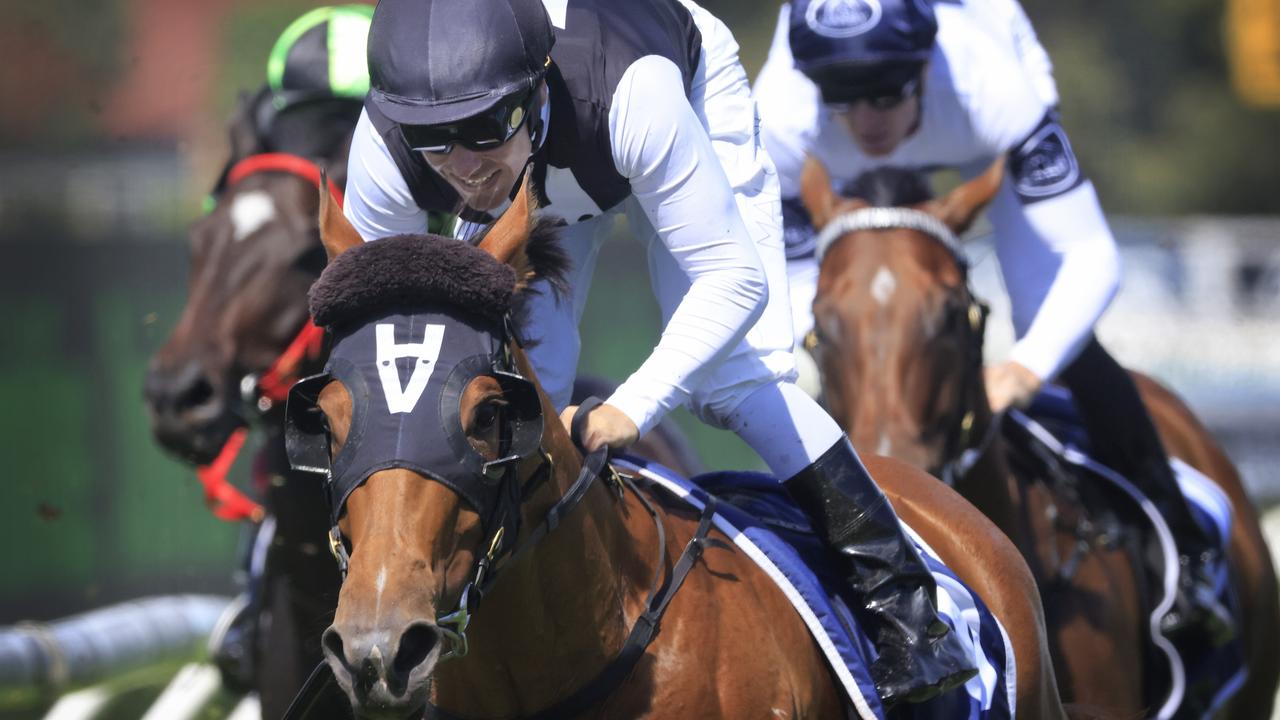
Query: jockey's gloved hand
x,y
606,425
1010,384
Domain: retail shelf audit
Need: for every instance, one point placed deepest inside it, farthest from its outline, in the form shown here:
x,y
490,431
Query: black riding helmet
x,y
854,49
320,56
438,62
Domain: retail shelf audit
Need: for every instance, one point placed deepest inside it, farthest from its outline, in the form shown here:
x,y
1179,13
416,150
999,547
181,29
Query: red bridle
x,y
225,501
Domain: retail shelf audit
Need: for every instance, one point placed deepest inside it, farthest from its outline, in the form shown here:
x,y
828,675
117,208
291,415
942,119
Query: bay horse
x,y
244,337
898,340
499,502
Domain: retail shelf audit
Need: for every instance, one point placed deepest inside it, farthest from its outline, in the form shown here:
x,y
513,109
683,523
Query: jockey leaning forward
x,y
639,108
862,84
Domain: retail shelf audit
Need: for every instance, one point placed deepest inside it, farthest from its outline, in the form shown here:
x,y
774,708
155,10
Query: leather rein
x,y
271,388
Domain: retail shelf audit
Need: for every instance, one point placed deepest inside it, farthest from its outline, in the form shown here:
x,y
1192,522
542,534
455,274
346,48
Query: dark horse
x,y
898,339
244,337
571,580
253,256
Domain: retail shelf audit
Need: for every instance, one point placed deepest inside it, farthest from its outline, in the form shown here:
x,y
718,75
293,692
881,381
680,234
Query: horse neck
x,y
559,615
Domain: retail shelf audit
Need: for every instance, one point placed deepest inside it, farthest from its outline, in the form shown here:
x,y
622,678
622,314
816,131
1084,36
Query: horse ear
x,y
961,206
336,232
816,193
506,239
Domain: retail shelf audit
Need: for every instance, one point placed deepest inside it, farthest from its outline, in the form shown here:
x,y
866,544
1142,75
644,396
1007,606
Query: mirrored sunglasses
x,y
485,131
877,99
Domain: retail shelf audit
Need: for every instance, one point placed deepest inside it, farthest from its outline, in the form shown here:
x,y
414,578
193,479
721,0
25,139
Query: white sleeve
x,y
378,202
790,109
663,149
1061,267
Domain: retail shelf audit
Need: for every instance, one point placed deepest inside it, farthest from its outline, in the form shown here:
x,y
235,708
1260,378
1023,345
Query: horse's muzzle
x,y
385,674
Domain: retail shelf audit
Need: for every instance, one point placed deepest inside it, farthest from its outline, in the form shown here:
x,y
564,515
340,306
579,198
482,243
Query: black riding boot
x,y
919,657
1124,439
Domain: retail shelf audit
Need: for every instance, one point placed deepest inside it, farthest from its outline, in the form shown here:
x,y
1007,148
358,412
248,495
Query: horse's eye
x,y
485,417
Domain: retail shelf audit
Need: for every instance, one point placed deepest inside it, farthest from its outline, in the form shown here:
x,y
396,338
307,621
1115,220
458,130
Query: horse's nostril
x,y
332,642
199,393
415,645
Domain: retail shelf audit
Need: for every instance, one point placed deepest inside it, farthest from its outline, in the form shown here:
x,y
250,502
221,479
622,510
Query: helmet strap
x,y
538,123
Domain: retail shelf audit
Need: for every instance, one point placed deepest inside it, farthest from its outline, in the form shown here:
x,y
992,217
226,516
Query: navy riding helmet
x,y
861,48
438,62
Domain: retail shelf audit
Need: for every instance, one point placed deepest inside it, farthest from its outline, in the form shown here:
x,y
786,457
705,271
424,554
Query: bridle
x,y
959,450
262,392
501,523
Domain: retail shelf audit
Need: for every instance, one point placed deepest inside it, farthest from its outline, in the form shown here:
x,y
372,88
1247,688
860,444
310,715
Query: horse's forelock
x,y
890,187
408,271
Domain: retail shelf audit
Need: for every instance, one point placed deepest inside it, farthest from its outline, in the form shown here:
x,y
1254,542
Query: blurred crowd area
x,y
1159,115
112,129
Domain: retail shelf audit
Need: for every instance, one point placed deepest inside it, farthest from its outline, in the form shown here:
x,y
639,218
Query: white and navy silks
x,y
988,89
651,117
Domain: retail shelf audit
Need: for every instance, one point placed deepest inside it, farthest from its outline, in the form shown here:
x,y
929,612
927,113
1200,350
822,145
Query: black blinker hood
x,y
406,373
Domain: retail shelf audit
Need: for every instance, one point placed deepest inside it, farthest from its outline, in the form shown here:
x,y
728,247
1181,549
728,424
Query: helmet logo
x,y
842,18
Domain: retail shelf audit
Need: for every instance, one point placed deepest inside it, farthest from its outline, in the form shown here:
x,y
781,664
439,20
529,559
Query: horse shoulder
x,y
731,644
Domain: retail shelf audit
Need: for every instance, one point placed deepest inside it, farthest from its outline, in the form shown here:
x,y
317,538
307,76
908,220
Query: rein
x,y
264,392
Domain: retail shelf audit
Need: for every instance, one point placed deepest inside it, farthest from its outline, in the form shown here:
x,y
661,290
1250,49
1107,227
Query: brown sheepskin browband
x,y
407,271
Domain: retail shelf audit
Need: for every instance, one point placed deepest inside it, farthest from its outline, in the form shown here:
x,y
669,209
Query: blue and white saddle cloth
x,y
1200,680
765,525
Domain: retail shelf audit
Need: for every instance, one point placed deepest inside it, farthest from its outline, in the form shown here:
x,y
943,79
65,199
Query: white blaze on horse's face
x,y
883,285
403,400
249,212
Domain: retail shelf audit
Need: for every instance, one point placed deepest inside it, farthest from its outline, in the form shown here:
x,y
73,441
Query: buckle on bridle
x,y
453,627
339,551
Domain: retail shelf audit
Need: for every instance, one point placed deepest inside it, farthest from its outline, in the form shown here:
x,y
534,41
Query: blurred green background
x,y
111,131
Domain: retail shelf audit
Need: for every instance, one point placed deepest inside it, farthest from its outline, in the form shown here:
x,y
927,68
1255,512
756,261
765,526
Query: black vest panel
x,y
600,40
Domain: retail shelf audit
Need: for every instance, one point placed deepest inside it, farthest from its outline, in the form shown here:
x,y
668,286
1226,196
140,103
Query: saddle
x,y
1048,442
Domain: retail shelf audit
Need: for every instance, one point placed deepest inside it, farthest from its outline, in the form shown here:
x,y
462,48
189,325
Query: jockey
x,y
316,83
321,56
863,84
638,109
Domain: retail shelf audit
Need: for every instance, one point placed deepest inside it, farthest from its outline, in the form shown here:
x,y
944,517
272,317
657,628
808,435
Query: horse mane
x,y
890,187
406,271
546,259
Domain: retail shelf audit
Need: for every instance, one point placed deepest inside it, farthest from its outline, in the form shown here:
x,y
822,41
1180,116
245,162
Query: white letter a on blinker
x,y
427,352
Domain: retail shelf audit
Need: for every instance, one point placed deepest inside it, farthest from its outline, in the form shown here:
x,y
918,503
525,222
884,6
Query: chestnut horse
x,y
898,340
729,644
242,340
